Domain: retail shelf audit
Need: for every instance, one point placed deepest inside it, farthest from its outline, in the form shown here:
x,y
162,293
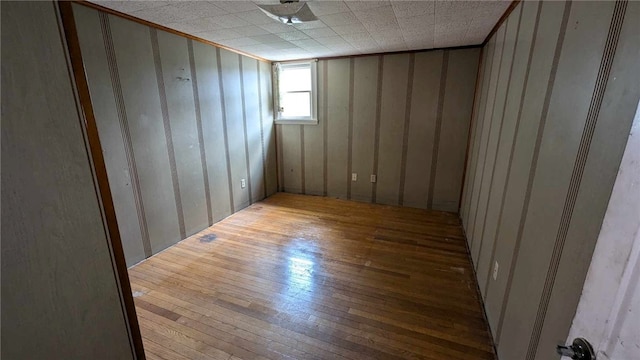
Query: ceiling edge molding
x,y
385,53
502,19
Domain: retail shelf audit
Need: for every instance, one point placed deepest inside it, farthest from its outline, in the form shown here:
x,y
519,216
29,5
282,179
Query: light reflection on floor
x,y
299,275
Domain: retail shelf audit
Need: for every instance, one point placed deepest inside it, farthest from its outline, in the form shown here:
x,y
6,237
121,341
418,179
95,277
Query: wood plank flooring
x,y
304,277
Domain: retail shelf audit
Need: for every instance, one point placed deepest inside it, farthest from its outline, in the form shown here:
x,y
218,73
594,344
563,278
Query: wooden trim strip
x,y
223,109
385,53
164,107
303,187
502,19
597,98
472,127
407,123
164,28
203,154
480,127
244,129
376,143
280,158
325,128
101,178
436,133
264,159
350,134
486,147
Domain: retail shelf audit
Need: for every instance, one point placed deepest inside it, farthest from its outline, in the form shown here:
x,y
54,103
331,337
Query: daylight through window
x,y
296,85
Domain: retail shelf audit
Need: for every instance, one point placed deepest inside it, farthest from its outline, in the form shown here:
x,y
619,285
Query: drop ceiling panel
x,y
342,28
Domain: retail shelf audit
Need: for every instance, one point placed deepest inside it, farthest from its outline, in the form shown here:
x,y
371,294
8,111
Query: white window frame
x,y
296,120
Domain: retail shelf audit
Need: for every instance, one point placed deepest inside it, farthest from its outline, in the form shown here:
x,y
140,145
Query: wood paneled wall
x,y
181,123
403,117
60,297
560,83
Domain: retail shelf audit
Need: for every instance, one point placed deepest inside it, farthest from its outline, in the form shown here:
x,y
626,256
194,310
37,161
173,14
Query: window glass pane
x,y
296,104
295,79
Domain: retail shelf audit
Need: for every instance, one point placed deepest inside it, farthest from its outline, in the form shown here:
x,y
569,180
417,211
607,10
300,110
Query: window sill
x,y
296,122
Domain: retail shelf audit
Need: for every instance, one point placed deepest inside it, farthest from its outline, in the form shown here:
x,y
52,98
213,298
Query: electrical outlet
x,y
373,178
495,271
354,177
243,183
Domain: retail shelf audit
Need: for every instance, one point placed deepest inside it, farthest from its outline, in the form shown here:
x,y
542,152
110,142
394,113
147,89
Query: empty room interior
x,y
320,180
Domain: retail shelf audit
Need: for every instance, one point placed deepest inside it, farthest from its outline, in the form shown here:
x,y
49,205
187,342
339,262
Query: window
x,y
296,100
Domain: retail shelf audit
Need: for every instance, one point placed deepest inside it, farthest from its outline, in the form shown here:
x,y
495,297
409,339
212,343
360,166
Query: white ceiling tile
x,y
333,41
364,5
349,29
293,35
199,8
216,35
276,27
359,38
255,17
308,43
320,32
240,42
131,6
281,45
377,15
162,15
327,7
218,22
266,39
259,48
453,7
343,18
250,30
236,6
390,26
309,25
413,8
417,22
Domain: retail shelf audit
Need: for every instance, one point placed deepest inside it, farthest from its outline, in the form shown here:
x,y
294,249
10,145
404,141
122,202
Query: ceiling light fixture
x,y
289,12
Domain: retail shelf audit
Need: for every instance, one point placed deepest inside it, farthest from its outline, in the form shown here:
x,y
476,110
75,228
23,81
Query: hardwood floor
x,y
303,277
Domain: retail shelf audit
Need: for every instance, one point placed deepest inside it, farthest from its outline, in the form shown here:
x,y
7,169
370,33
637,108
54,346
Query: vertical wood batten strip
x,y
482,116
464,192
513,145
436,135
244,128
325,128
124,130
280,160
350,134
203,156
376,143
224,130
486,152
534,162
264,159
578,170
302,169
69,37
167,130
407,122
504,106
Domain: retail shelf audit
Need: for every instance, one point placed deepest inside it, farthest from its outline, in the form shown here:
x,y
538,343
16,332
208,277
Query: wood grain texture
x,y
302,277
